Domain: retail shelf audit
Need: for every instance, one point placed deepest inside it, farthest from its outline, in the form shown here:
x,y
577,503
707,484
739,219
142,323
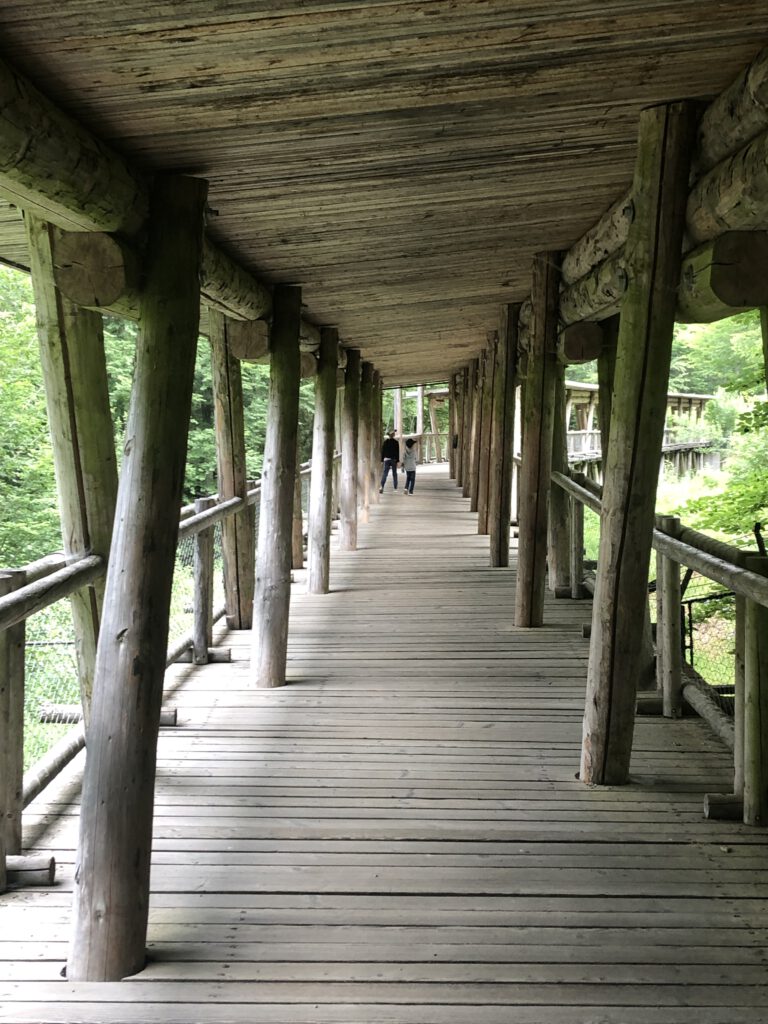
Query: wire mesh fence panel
x,y
50,677
183,592
218,568
709,620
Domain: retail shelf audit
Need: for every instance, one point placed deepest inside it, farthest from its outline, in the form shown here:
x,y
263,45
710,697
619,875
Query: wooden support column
x,y
486,429
636,433
606,371
397,414
349,439
559,529
297,523
469,407
321,482
536,468
477,427
82,435
375,439
203,572
451,426
238,539
756,705
502,423
364,442
420,409
12,669
111,897
669,639
433,428
273,557
461,391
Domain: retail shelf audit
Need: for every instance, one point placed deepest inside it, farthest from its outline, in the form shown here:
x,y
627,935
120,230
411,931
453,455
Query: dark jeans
x,y
410,480
389,464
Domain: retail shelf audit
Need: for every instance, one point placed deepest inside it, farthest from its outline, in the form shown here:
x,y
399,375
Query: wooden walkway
x,y
398,836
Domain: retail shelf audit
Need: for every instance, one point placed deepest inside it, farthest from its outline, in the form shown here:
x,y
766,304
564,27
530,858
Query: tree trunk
x,y
112,876
273,559
636,433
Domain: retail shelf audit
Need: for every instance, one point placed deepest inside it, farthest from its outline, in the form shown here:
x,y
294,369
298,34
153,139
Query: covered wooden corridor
x,y
398,834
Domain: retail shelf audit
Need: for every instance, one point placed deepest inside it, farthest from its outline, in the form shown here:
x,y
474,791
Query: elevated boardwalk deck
x,y
398,835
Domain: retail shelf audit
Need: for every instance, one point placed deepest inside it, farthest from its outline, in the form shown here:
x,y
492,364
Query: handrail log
x,y
203,520
47,591
728,570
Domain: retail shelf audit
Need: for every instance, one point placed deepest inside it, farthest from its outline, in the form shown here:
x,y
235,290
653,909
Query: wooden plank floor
x,y
398,835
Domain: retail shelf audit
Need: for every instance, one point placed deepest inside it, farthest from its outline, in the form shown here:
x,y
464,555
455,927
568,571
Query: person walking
x,y
409,465
390,456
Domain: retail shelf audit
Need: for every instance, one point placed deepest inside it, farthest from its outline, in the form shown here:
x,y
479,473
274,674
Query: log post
x,y
349,440
536,468
12,666
420,409
297,524
469,407
238,541
559,526
476,431
375,439
364,442
669,638
486,428
397,414
502,422
321,481
739,674
202,634
461,394
756,705
636,433
273,558
111,898
82,435
451,426
577,549
434,430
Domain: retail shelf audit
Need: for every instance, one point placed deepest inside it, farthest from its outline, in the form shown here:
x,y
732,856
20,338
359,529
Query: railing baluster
x,y
669,656
12,641
756,705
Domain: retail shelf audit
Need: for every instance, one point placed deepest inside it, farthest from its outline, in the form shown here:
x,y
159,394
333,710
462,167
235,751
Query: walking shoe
x,y
381,490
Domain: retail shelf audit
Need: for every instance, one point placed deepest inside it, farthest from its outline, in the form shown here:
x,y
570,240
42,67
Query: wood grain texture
x,y
366,844
320,487
111,899
636,429
424,198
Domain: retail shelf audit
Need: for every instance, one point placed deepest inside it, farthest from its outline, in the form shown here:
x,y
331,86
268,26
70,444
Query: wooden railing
x,y
746,575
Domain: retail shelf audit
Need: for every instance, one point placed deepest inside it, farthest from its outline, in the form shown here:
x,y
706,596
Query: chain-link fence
x,y
51,678
709,634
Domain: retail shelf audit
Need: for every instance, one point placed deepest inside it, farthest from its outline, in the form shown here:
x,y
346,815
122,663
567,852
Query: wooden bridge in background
x,y
398,834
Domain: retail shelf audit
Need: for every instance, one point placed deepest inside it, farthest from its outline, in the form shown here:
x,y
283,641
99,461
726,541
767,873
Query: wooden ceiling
x,y
400,161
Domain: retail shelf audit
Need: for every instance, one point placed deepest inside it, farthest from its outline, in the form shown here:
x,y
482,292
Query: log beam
x,y
321,481
724,277
636,432
111,898
273,559
559,523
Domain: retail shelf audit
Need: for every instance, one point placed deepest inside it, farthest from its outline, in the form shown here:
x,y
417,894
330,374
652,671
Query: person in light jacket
x,y
409,465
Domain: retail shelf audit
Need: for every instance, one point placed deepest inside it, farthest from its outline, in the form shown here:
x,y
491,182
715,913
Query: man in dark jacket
x,y
390,456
